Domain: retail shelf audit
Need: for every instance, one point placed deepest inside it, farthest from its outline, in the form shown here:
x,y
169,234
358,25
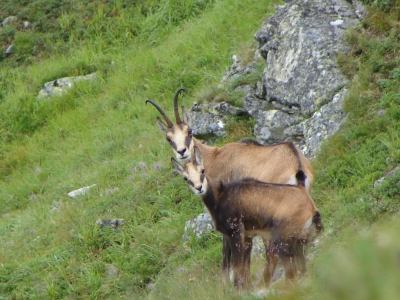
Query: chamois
x,y
269,163
246,208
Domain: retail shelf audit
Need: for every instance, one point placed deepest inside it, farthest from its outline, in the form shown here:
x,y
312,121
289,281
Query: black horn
x,y
178,118
169,123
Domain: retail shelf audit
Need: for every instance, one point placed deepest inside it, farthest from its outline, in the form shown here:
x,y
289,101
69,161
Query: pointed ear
x,y
197,155
186,117
176,165
161,125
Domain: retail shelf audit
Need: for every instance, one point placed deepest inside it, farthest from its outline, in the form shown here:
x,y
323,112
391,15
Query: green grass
x,y
102,132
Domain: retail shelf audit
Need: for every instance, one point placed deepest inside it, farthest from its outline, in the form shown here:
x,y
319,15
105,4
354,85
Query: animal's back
x,y
263,204
275,163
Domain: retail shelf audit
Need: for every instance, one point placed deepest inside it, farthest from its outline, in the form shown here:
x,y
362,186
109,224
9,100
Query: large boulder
x,y
300,94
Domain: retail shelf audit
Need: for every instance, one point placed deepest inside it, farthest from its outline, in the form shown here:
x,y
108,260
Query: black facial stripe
x,y
173,144
188,140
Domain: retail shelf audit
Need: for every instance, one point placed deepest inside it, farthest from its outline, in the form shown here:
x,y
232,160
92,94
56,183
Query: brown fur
x,y
278,163
274,163
246,208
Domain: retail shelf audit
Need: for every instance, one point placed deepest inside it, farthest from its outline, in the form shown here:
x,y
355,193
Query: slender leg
x,y
238,252
272,261
299,257
226,258
288,265
248,244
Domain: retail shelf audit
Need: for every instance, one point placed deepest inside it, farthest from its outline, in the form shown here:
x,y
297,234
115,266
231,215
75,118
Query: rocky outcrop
x,y
299,96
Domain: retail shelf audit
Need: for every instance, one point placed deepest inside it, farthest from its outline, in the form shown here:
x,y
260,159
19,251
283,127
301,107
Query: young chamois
x,y
246,208
273,163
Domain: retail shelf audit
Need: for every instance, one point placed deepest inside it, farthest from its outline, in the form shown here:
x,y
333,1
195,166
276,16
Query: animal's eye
x,y
168,139
190,131
184,178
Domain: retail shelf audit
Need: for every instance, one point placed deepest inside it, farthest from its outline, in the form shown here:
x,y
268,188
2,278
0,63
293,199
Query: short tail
x,y
317,221
300,175
301,178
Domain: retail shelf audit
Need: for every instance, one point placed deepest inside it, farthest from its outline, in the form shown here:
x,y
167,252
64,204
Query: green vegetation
x,y
102,133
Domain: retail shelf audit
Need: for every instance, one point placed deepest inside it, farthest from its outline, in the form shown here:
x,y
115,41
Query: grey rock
x,y
9,49
62,85
113,223
81,191
204,124
270,122
236,70
388,175
300,94
300,43
9,20
322,125
27,24
200,225
360,10
226,109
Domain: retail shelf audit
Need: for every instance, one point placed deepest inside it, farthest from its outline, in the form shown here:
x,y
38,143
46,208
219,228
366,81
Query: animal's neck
x,y
207,152
210,197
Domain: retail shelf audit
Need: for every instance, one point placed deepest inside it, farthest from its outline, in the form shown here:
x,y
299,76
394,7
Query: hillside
x,y
101,132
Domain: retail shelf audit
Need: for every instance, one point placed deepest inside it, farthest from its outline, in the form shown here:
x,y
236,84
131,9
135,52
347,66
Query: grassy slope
x,y
103,133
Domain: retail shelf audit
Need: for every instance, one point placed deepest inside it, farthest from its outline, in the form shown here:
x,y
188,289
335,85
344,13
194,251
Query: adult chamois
x,y
242,209
277,163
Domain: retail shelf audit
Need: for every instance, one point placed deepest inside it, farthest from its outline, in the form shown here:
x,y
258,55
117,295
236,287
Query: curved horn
x,y
169,123
178,118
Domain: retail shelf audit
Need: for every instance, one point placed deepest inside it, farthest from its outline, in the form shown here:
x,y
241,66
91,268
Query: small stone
x,y
9,20
113,223
10,49
81,191
388,175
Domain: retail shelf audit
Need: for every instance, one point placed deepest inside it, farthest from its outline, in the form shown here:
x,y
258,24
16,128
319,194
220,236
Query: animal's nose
x,y
199,187
182,151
